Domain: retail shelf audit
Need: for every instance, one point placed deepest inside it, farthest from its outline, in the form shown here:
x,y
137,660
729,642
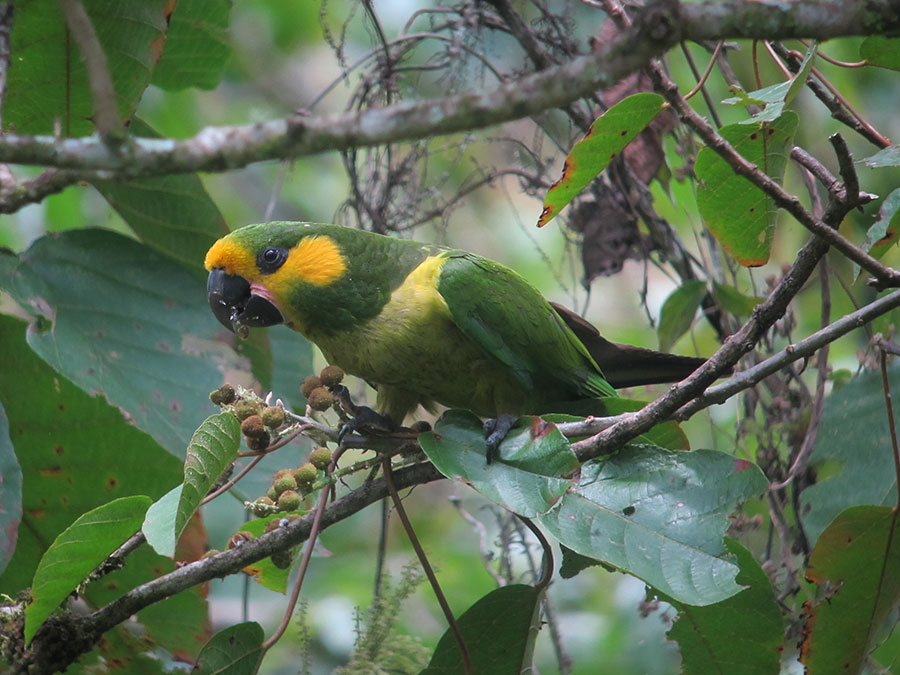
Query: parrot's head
x,y
258,273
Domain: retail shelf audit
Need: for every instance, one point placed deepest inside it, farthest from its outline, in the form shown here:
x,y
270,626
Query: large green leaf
x,y
739,214
47,82
122,321
659,516
197,45
76,452
172,214
236,650
10,493
856,564
77,551
852,453
608,136
743,635
533,469
882,51
499,632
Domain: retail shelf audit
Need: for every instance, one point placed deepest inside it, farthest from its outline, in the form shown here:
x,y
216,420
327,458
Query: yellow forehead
x,y
316,259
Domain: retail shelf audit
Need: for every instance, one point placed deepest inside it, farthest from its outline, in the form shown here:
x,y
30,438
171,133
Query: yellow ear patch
x,y
235,258
315,259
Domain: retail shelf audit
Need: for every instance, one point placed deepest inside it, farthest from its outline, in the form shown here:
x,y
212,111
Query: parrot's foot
x,y
495,430
365,421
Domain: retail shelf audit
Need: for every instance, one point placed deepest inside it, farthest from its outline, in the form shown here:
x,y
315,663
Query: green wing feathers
x,y
510,320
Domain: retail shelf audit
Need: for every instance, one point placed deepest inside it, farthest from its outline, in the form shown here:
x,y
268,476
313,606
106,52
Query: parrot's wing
x,y
510,320
626,365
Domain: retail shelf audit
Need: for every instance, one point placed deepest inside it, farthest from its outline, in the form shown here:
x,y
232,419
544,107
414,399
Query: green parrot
x,y
423,324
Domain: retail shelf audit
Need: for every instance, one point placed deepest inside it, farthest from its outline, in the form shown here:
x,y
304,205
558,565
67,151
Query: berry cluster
x,y
290,486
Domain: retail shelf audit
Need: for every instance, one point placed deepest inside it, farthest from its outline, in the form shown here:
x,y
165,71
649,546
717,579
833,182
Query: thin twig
x,y
793,352
106,112
315,528
426,566
886,385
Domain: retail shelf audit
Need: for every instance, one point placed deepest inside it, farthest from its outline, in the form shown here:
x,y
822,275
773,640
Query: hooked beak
x,y
232,301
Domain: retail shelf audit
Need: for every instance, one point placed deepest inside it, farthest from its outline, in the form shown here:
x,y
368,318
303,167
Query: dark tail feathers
x,y
625,365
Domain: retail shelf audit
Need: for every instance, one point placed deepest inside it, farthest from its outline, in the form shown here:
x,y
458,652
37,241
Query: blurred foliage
x,y
102,389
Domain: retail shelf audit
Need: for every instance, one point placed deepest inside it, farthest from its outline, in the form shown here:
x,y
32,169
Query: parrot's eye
x,y
271,258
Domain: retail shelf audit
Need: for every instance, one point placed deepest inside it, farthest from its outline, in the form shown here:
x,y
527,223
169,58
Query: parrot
x,y
423,324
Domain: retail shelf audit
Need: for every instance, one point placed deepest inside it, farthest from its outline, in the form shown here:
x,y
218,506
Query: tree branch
x,y
660,26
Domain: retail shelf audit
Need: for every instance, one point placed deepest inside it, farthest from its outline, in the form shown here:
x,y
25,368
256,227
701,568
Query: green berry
x,y
320,458
331,376
262,507
272,416
310,383
306,474
223,395
282,559
244,408
320,399
284,483
272,494
290,500
253,427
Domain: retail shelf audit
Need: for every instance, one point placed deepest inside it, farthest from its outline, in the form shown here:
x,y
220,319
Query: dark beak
x,y
232,302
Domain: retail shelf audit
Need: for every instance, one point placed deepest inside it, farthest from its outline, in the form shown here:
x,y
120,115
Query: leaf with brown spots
x,y
856,564
608,136
738,213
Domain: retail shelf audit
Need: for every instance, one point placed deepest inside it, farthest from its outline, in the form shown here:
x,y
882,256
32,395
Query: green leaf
x,y
529,476
77,451
742,635
881,51
678,312
499,632
264,571
739,214
159,523
776,96
856,564
172,214
608,136
47,82
212,449
122,321
852,454
659,516
77,551
733,301
236,650
197,46
889,156
10,493
885,232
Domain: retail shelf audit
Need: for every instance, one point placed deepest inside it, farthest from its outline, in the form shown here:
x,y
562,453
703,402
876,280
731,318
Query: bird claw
x,y
365,421
495,431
